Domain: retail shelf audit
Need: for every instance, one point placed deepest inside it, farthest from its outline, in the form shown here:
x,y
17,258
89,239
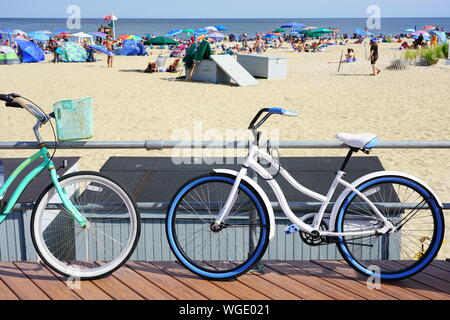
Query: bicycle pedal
x,y
291,229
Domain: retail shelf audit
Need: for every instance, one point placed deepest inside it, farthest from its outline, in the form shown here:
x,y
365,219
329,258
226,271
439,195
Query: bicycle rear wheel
x,y
411,208
85,253
228,251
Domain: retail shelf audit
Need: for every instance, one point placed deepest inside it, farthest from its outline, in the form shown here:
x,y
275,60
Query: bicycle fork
x,y
66,200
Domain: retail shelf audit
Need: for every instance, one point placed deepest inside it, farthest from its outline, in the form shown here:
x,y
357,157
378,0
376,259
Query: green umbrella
x,y
195,54
318,32
160,41
188,31
279,30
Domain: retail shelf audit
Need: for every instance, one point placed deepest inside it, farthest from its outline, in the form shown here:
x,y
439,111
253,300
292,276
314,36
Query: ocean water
x,y
389,26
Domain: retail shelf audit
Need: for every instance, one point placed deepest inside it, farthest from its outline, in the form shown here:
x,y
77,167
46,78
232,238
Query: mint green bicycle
x,y
83,225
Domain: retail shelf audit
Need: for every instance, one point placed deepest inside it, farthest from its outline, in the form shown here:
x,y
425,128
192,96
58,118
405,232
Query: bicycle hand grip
x,y
13,105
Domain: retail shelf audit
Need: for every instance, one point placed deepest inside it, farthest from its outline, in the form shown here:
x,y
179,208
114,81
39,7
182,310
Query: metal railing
x,y
181,144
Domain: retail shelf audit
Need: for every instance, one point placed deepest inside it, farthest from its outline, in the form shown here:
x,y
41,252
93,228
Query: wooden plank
x,y
46,281
259,282
239,289
311,280
416,286
429,280
116,289
437,272
443,264
87,290
6,293
163,280
391,288
205,287
330,273
141,285
19,284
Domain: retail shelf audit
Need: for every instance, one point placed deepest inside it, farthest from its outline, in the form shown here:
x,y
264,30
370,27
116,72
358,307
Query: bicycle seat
x,y
360,140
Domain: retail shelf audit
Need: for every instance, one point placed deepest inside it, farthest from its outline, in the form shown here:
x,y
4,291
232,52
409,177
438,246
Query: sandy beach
x,y
132,105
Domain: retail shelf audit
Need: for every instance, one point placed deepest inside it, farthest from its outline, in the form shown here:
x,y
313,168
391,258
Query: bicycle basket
x,y
74,119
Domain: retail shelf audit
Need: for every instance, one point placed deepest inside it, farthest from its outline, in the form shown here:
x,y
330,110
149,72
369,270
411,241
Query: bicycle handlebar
x,y
13,100
255,124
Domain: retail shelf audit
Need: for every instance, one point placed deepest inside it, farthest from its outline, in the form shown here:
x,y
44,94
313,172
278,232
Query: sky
x,y
225,8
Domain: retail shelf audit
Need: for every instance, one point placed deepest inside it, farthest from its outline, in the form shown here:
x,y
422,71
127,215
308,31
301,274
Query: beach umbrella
x,y
309,28
221,28
410,30
160,41
429,28
174,32
211,29
362,32
279,30
442,37
63,34
215,36
59,31
38,36
188,31
134,37
294,25
99,34
318,32
420,32
99,48
19,32
201,31
269,36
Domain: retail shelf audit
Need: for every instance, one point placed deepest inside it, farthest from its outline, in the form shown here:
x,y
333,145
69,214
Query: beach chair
x,y
160,62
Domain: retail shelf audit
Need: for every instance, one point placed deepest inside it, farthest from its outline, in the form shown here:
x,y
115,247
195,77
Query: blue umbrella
x,y
442,37
99,34
99,48
363,33
174,32
269,36
221,28
201,31
293,25
39,36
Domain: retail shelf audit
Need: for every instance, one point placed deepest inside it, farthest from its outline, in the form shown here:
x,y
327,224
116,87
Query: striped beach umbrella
x,y
215,36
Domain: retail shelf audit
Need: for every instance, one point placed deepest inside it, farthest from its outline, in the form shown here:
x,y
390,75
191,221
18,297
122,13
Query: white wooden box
x,y
264,66
208,71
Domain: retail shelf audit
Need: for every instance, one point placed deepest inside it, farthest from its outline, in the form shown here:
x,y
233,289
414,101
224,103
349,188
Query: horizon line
x,y
288,18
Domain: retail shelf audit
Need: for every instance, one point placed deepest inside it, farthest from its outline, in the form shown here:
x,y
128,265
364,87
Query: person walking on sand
x,y
374,57
109,45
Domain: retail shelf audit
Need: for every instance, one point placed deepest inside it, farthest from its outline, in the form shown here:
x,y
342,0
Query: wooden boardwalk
x,y
288,280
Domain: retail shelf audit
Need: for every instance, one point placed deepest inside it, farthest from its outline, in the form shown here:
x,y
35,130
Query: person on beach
x,y
350,56
259,45
244,40
110,46
373,57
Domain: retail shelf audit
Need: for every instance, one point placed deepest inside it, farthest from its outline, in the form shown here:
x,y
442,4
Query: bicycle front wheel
x,y
225,252
100,248
411,208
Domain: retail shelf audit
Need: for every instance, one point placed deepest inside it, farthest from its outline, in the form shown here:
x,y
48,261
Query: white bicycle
x,y
219,224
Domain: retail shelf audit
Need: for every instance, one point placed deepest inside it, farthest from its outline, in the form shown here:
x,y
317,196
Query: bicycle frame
x,y
251,162
46,163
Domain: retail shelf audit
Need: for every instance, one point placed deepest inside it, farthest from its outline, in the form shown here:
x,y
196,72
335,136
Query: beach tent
x,y
81,36
8,56
72,52
442,37
131,48
29,51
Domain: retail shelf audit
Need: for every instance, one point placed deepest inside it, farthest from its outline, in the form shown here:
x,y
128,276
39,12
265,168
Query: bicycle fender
x,y
261,193
372,175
